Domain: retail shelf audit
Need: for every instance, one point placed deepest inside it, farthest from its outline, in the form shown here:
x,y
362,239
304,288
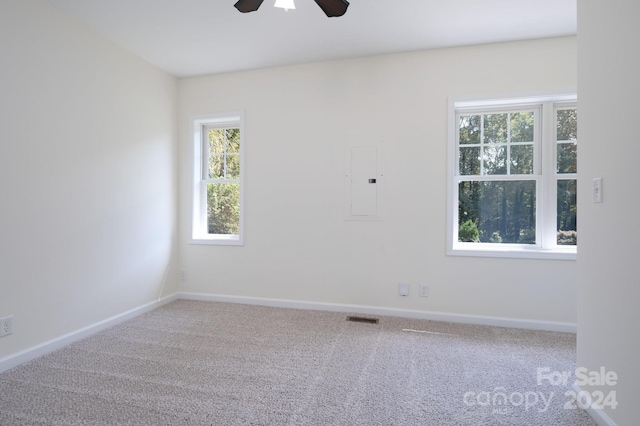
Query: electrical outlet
x,y
183,275
424,290
403,289
6,325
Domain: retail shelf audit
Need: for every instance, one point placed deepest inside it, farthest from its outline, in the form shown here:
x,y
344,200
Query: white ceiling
x,y
196,37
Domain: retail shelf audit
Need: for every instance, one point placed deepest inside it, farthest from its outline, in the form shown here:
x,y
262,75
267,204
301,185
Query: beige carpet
x,y
201,363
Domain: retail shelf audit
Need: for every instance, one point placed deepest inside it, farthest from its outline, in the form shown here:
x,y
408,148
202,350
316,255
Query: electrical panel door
x,y
364,189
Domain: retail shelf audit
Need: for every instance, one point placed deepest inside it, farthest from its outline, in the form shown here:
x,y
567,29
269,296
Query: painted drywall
x,y
608,267
299,120
87,176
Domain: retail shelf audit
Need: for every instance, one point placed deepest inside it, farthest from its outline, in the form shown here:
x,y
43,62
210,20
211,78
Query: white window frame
x,y
199,231
545,154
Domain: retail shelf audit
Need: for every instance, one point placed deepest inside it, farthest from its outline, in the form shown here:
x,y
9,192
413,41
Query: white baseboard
x,y
597,414
44,348
393,312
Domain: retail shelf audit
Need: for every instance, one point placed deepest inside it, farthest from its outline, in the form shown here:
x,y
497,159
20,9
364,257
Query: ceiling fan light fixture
x,y
285,4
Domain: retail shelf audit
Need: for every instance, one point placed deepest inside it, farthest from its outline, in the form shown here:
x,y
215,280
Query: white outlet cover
x,y
6,326
403,289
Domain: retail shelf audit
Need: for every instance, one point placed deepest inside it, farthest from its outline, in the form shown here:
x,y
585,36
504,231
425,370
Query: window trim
x,y
545,158
198,234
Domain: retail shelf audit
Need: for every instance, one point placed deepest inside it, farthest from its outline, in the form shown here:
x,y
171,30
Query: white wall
x,y
87,176
298,120
608,266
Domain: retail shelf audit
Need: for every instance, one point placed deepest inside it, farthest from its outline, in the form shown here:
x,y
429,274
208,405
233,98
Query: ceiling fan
x,y
332,8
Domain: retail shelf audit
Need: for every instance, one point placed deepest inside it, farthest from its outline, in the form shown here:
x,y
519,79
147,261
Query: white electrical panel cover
x,y
364,181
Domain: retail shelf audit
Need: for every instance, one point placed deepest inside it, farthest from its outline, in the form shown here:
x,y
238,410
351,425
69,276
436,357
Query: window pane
x,y
567,208
495,128
497,212
567,124
495,160
470,129
223,208
216,141
521,159
233,140
216,167
567,158
233,166
470,161
522,126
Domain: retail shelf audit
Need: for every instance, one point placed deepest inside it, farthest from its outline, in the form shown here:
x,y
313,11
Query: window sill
x,y
218,240
512,251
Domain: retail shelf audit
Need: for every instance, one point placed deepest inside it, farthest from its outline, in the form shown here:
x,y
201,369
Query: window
x,y
513,175
218,146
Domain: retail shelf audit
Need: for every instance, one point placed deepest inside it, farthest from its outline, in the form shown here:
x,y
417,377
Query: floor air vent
x,y
363,319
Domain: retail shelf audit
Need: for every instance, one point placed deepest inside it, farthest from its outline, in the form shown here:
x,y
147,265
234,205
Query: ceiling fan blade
x,y
333,8
245,6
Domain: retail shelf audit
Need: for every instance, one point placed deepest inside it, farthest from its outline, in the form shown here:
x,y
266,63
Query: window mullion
x,y
202,219
205,153
224,154
208,181
549,200
475,178
482,144
508,145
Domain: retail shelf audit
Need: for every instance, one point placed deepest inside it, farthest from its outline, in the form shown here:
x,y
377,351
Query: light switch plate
x,y
597,190
424,290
